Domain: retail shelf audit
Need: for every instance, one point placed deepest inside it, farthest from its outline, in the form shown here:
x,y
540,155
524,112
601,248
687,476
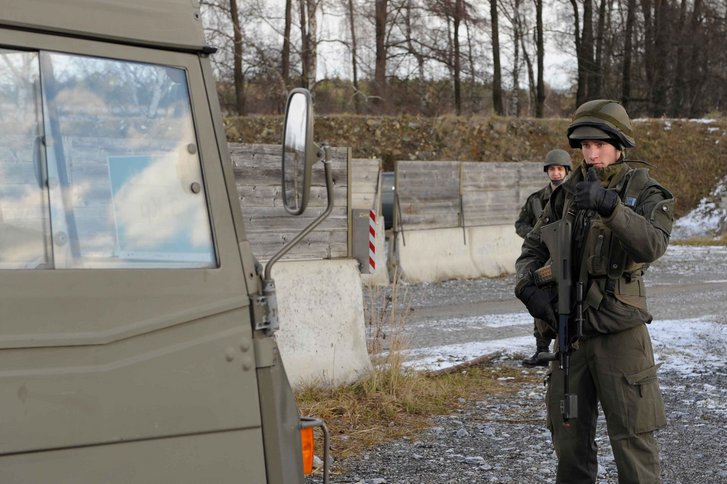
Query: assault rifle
x,y
557,237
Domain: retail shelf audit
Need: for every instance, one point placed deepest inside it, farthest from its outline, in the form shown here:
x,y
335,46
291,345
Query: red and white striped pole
x,y
372,241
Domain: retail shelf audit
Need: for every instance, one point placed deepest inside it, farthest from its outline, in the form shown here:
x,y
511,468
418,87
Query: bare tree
x,y
285,54
305,45
381,27
658,56
497,105
628,53
224,28
595,78
237,45
531,76
698,64
457,58
312,43
354,53
583,37
416,49
517,16
540,49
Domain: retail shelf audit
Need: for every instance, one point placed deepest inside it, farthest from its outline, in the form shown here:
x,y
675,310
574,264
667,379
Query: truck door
x,y
125,337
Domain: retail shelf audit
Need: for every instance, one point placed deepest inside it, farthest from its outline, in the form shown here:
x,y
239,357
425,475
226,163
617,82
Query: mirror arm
x,y
271,322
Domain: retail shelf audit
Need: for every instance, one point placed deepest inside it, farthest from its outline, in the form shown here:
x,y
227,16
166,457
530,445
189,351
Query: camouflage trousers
x,y
618,371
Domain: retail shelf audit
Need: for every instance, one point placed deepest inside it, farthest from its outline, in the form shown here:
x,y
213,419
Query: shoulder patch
x,y
638,180
662,216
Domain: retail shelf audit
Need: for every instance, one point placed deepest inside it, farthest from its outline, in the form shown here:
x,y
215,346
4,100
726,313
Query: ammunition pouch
x,y
544,276
629,289
615,305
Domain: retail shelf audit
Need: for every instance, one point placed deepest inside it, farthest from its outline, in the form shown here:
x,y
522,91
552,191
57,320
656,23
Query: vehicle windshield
x,y
98,165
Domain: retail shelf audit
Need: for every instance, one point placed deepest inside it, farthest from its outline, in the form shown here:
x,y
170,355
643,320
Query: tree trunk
x,y
678,98
532,95
285,54
456,64
380,20
354,66
312,43
540,49
581,80
587,50
649,55
421,80
628,54
697,63
238,76
304,45
517,40
598,78
658,103
496,74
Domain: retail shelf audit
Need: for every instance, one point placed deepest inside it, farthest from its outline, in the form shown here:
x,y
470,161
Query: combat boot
x,y
536,360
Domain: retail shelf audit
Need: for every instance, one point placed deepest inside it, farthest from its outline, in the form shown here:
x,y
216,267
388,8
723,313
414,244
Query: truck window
x,y
99,166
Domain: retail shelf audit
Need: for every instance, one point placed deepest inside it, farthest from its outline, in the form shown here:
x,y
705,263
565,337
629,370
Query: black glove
x,y
591,195
539,303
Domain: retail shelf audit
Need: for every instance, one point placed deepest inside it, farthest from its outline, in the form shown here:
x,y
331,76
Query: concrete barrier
x,y
455,253
322,337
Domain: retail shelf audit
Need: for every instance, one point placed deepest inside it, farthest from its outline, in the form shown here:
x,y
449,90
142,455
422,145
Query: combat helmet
x,y
557,157
601,119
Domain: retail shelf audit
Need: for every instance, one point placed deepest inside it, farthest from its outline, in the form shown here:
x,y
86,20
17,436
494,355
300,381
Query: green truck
x,y
136,327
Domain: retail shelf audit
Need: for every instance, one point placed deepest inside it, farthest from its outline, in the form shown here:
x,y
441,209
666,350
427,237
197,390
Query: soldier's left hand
x,y
591,195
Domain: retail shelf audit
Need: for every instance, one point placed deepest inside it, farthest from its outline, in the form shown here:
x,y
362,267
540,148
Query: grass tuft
x,y
393,400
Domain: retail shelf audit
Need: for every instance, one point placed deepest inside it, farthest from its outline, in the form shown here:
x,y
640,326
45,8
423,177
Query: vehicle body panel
x,y
141,374
165,23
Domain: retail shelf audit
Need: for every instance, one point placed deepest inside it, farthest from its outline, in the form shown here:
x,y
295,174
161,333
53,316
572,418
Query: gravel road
x,y
503,438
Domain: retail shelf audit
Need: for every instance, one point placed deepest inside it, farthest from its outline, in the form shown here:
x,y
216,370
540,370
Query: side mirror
x,y
299,151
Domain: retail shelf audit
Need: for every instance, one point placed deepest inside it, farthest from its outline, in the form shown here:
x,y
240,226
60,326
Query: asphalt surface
x,y
687,282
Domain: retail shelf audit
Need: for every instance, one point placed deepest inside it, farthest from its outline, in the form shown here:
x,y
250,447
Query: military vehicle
x,y
136,329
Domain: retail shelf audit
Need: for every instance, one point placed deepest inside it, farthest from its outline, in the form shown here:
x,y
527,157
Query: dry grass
x,y
387,406
394,401
699,241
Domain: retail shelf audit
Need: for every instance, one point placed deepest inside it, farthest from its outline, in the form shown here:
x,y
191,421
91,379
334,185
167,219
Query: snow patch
x,y
709,219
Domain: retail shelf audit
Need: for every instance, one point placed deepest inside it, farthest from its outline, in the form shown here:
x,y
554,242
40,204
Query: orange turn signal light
x,y
306,440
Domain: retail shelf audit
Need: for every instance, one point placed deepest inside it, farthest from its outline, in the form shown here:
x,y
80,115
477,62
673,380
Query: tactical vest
x,y
606,268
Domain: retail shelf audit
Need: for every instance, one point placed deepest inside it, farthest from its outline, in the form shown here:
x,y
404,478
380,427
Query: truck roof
x,y
174,24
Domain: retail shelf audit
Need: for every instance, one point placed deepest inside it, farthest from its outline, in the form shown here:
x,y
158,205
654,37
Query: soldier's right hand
x,y
539,302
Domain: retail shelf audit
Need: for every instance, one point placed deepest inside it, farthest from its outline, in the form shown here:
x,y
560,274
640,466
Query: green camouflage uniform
x,y
532,209
613,362
525,222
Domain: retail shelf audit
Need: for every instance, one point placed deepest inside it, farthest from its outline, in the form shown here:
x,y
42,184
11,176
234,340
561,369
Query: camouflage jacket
x,y
609,255
532,209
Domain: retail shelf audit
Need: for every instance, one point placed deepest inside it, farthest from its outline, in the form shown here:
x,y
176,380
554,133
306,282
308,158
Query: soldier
x,y
557,165
621,221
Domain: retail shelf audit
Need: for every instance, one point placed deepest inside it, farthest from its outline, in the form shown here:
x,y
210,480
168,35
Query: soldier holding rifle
x,y
600,231
557,165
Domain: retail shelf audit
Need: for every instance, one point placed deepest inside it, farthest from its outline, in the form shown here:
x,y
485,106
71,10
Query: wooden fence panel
x,y
268,226
451,194
365,174
427,194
